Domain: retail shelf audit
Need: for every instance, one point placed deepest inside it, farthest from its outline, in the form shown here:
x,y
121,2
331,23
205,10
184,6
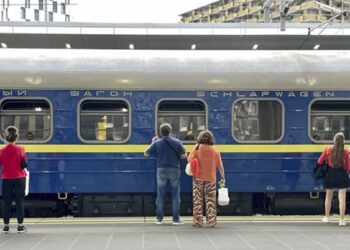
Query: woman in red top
x,y
337,175
13,179
204,184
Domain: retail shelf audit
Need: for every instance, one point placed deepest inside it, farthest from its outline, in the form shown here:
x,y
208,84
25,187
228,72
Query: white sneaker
x,y
342,223
177,223
158,222
325,219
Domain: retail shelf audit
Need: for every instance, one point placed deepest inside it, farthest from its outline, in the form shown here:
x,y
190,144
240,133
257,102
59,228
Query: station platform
x,y
250,232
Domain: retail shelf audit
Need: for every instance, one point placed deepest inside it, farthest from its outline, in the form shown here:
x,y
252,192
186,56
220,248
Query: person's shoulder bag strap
x,y
178,156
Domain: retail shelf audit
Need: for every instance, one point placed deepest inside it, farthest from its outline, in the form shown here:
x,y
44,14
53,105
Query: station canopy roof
x,y
228,36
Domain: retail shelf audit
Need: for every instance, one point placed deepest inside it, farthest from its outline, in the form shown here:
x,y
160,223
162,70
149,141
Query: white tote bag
x,y
188,170
223,198
26,190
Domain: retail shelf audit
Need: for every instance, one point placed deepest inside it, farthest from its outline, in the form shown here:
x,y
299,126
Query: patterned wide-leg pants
x,y
204,192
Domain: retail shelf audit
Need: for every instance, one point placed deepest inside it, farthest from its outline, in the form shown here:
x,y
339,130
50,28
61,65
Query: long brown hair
x,y
338,150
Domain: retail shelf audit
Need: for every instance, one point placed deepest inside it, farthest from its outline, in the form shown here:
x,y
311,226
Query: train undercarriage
x,y
141,204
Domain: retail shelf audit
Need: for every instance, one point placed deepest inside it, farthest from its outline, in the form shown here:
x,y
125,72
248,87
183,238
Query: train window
x,y
187,118
327,117
257,120
104,120
32,117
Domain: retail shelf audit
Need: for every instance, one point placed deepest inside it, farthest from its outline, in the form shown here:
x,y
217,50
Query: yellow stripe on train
x,y
137,148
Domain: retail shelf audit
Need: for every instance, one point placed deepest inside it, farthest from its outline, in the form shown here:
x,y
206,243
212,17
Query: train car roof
x,y
206,36
174,70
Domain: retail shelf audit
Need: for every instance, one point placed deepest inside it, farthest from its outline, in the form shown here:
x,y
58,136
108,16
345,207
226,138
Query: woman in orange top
x,y
337,175
204,184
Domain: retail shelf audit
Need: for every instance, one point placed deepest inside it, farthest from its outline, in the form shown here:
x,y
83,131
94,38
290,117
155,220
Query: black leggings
x,y
10,187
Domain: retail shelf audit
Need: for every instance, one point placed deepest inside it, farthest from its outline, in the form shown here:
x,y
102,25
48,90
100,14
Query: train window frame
x,y
259,141
309,129
180,99
32,98
103,141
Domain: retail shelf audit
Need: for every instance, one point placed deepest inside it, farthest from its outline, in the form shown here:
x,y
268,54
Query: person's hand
x,y
222,183
155,138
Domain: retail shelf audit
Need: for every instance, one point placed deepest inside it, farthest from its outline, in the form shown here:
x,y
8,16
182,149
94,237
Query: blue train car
x,y
86,117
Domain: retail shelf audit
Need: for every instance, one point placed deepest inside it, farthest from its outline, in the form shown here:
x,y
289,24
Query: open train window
x,y
104,121
32,117
187,118
327,117
257,120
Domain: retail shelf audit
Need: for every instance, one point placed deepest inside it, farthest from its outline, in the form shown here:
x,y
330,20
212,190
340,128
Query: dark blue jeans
x,y
171,176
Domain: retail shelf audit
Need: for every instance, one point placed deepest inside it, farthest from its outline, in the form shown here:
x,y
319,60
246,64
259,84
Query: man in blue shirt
x,y
169,151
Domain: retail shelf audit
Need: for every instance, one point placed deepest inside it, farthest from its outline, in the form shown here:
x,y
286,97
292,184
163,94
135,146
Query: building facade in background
x,y
35,10
232,11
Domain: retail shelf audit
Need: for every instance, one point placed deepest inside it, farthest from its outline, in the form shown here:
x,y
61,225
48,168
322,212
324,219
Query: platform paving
x,y
268,233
